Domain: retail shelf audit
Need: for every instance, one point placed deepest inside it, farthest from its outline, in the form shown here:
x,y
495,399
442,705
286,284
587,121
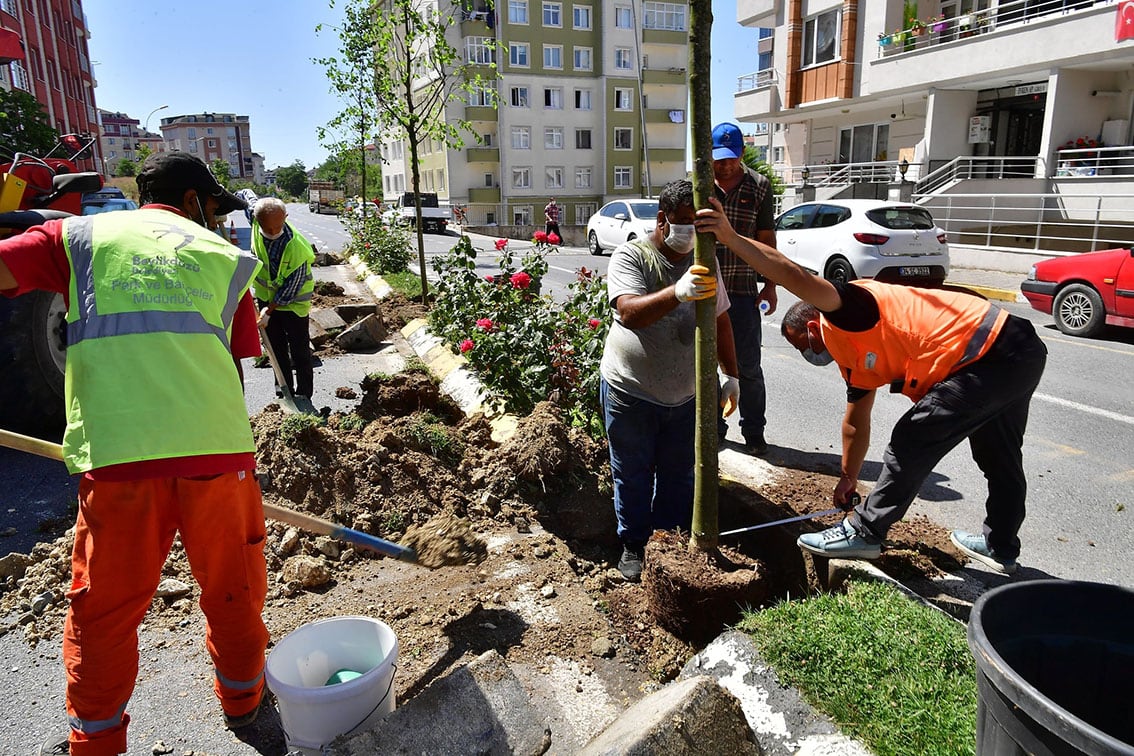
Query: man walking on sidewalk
x,y
969,367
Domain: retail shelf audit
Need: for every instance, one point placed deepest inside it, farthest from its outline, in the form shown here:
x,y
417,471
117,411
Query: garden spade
x,y
852,502
307,522
288,401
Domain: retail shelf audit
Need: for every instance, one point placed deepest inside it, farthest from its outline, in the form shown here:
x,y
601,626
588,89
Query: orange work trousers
x,y
123,534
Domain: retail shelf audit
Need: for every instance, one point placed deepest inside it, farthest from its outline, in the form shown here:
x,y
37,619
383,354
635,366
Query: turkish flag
x,y
1124,21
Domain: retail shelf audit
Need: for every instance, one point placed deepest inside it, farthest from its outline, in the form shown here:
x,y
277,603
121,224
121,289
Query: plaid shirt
x,y
748,208
290,287
552,212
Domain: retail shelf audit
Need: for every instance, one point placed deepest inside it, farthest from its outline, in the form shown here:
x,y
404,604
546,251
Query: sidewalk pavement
x,y
996,275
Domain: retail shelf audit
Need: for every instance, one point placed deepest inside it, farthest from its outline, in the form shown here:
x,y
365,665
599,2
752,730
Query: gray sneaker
x,y
840,542
975,547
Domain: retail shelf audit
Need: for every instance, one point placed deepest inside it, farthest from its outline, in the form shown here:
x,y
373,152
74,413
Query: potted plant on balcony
x,y
937,24
917,27
885,39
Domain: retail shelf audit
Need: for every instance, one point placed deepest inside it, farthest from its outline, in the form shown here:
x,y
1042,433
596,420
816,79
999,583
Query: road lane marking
x,y
1062,448
1085,408
1082,343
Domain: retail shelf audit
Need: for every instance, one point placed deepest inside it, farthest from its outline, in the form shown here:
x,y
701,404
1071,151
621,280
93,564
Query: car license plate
x,y
914,270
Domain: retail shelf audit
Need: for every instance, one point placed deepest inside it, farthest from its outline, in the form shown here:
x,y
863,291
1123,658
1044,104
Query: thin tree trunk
x,y
705,527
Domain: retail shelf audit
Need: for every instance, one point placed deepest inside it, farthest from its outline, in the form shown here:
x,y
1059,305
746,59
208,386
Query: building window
x,y
489,180
518,54
623,99
581,16
623,139
583,213
821,38
521,178
480,50
553,99
522,216
583,178
521,138
553,177
777,154
623,177
622,17
583,59
582,99
623,59
667,16
553,137
483,96
864,144
553,56
490,218
582,139
519,97
517,11
553,14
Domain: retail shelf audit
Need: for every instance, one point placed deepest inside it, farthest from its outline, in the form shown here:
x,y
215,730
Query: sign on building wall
x,y
980,129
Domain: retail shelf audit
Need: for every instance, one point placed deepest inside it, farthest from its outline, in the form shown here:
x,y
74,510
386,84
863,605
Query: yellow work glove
x,y
730,395
696,283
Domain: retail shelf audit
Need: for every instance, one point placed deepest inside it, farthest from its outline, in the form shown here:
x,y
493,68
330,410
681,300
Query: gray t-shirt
x,y
655,363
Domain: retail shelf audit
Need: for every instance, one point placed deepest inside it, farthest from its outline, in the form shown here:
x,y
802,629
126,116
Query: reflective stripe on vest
x,y
92,726
979,338
93,325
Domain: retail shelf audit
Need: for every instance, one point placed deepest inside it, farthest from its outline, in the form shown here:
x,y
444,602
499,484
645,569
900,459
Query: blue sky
x,y
244,58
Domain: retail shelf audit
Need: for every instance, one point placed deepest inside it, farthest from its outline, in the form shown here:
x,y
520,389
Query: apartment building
x,y
974,91
120,137
43,51
214,136
590,105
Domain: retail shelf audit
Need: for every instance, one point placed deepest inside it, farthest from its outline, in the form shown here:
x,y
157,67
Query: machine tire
x,y
1078,311
592,243
32,333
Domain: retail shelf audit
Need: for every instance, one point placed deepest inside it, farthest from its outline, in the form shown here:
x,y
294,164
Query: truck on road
x,y
434,218
323,197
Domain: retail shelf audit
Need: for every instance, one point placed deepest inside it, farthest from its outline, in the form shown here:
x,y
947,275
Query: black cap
x,y
177,172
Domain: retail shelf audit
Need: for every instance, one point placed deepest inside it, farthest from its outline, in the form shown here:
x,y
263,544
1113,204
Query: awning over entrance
x,y
10,47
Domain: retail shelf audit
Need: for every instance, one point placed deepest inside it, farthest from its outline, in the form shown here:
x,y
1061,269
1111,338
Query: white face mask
x,y
271,237
681,237
816,358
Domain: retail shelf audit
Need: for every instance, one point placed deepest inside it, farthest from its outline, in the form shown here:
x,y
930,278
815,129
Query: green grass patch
x,y
430,434
297,426
406,283
889,671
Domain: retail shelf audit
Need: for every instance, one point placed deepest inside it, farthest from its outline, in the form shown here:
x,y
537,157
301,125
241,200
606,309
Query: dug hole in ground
x,y
547,598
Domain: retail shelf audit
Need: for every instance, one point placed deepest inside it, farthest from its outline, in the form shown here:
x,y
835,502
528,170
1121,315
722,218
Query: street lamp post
x,y
146,127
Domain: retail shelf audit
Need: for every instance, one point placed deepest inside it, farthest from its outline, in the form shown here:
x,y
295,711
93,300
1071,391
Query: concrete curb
x,y
1003,295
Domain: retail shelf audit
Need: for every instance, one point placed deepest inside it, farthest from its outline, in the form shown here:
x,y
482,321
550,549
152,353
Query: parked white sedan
x,y
620,221
847,239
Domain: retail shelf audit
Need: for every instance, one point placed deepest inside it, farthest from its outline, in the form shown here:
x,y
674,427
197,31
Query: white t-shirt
x,y
655,363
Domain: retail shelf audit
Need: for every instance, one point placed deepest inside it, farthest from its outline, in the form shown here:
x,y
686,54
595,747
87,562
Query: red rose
x,y
520,280
540,237
490,279
594,323
466,346
484,324
501,244
553,238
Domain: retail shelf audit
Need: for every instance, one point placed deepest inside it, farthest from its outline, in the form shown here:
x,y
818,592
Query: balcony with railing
x,y
756,12
1018,33
757,95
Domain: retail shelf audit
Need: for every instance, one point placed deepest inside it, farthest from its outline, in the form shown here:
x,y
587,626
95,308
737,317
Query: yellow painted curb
x,y
1003,295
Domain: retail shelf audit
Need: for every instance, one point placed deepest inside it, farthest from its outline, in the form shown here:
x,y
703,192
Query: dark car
x,y
109,206
1085,292
102,196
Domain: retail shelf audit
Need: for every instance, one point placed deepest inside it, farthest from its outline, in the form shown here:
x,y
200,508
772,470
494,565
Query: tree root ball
x,y
694,594
445,540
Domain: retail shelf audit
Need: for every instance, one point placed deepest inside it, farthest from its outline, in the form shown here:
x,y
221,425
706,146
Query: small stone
x,y
41,602
602,647
26,618
306,571
548,591
172,588
160,748
328,547
288,542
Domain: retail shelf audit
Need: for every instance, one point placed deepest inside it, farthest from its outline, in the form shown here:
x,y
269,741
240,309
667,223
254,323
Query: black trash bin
x,y
1055,669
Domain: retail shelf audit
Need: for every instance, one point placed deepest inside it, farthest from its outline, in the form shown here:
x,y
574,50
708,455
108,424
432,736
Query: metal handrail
x,y
756,80
980,167
839,174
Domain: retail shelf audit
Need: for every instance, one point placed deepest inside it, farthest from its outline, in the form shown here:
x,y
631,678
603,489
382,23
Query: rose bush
x,y
523,347
384,247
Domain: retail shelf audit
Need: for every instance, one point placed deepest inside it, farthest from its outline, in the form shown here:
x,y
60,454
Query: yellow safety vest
x,y
297,252
150,373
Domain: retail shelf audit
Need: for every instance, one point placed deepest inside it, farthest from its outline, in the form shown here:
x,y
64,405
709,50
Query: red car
x,y
1085,292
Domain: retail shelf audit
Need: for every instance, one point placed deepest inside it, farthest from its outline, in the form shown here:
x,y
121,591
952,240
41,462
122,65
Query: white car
x,y
842,240
620,221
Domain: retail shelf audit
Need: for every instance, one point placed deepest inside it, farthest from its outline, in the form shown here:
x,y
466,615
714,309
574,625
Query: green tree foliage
x,y
144,152
222,170
751,159
387,50
292,178
126,167
23,125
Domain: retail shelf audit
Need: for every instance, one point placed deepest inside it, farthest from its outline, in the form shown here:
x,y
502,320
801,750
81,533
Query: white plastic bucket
x,y
313,713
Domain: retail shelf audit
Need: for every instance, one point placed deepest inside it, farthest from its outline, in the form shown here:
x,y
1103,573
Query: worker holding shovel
x,y
158,318
969,367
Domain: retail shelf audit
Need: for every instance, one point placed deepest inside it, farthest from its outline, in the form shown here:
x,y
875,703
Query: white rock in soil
x,y
307,571
548,591
172,588
288,542
328,547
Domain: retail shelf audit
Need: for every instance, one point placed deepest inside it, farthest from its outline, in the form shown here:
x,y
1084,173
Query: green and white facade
x,y
591,104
